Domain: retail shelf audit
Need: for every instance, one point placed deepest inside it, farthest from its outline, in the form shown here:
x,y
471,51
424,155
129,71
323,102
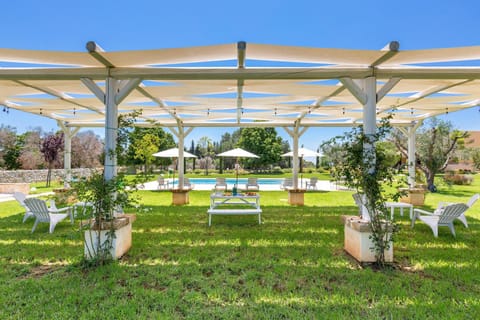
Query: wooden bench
x,y
232,212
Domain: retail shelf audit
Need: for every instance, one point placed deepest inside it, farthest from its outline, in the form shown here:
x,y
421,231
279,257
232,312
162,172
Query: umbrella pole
x,y
236,173
173,175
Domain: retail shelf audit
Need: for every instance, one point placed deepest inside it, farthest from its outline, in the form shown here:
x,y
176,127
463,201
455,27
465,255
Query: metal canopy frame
x,y
240,85
173,86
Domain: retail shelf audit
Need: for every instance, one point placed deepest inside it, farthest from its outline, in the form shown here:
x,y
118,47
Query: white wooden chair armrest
x,y
59,211
56,210
417,212
423,211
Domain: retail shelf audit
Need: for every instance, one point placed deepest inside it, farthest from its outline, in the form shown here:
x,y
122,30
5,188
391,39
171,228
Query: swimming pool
x,y
231,181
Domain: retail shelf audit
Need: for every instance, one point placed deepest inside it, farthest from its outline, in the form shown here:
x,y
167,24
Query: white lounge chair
x,y
252,184
162,183
20,197
287,184
50,215
187,184
443,216
462,217
357,197
312,184
220,184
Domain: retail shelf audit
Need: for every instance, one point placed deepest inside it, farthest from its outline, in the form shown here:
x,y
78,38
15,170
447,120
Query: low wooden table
x,y
219,199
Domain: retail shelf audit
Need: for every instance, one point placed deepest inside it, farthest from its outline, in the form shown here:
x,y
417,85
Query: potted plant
x,y
368,238
106,229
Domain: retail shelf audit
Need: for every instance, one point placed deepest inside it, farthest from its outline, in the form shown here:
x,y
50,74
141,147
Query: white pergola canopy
x,y
215,85
240,85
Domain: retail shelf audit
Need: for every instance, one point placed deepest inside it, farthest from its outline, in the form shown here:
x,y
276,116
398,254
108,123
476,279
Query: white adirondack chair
x,y
443,216
20,197
357,197
50,215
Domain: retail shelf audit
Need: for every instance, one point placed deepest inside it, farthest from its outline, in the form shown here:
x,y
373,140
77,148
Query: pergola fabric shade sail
x,y
226,85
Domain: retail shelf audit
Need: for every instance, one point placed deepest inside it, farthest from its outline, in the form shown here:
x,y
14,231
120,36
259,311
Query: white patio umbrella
x,y
173,153
303,152
237,153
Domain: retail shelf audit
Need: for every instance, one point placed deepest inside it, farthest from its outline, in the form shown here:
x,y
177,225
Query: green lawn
x,y
290,267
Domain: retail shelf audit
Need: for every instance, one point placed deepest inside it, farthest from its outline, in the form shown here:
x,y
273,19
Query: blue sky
x,y
141,24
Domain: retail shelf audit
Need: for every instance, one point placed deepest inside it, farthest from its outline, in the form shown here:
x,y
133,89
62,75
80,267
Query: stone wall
x,y
28,176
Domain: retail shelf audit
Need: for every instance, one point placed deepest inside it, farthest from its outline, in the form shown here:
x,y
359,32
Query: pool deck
x,y
322,185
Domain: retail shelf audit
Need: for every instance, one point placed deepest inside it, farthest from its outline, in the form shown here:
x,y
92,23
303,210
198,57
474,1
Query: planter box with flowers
x,y
358,240
365,168
108,234
97,236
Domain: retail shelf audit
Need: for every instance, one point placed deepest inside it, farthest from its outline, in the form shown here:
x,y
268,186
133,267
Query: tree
x,y
476,158
436,144
205,146
263,142
87,150
50,149
135,137
10,148
145,147
365,170
192,151
228,142
30,156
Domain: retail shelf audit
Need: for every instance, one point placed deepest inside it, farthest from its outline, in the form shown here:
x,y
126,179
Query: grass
x,y
291,267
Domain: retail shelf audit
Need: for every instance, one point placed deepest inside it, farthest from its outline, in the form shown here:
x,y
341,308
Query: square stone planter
x,y
15,187
358,243
414,196
296,197
121,243
180,197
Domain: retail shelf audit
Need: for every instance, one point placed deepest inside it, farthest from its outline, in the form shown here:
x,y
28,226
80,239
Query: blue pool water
x,y
231,181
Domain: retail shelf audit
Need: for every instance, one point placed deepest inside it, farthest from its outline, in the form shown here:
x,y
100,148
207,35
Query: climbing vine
x,y
365,168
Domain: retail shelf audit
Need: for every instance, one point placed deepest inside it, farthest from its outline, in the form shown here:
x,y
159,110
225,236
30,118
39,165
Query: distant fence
x,y
28,176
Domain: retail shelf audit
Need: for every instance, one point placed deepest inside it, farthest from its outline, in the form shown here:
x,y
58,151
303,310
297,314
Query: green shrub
x,y
458,178
277,170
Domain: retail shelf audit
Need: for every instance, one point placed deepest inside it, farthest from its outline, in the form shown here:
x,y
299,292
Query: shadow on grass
x,y
290,266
